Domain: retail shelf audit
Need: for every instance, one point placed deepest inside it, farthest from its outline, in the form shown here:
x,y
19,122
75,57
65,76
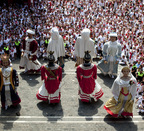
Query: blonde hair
x,y
124,68
5,57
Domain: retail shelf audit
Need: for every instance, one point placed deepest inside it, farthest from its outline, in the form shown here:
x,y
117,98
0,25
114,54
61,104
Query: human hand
x,y
22,54
76,65
141,107
105,62
131,101
136,101
116,62
30,58
117,103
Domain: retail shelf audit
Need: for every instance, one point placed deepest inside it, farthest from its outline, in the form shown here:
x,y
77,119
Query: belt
x,y
87,76
6,84
52,78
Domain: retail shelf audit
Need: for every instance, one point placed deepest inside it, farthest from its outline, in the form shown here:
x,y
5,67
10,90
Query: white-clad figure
x,y
123,60
56,44
83,43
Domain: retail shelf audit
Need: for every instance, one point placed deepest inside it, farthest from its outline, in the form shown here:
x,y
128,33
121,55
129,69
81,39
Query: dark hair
x,y
51,57
87,56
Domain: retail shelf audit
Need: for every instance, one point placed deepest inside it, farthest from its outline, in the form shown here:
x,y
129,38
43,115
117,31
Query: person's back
x,y
83,43
51,74
56,44
87,75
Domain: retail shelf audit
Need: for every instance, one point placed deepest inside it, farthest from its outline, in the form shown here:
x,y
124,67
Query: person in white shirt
x,y
123,60
140,103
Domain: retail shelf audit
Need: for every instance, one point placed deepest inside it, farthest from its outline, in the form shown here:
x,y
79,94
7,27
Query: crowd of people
x,y
126,18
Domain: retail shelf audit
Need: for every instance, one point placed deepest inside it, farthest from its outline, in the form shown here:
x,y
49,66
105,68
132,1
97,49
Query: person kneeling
x,y
52,76
124,91
87,75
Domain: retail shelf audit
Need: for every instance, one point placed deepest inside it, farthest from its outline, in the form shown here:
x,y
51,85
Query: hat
x,y
113,34
87,56
30,31
54,29
51,57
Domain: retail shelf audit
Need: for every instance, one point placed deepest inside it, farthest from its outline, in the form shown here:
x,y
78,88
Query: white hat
x,y
86,30
54,28
113,34
30,31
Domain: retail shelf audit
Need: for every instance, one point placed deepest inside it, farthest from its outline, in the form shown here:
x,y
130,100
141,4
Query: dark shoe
x,y
18,113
